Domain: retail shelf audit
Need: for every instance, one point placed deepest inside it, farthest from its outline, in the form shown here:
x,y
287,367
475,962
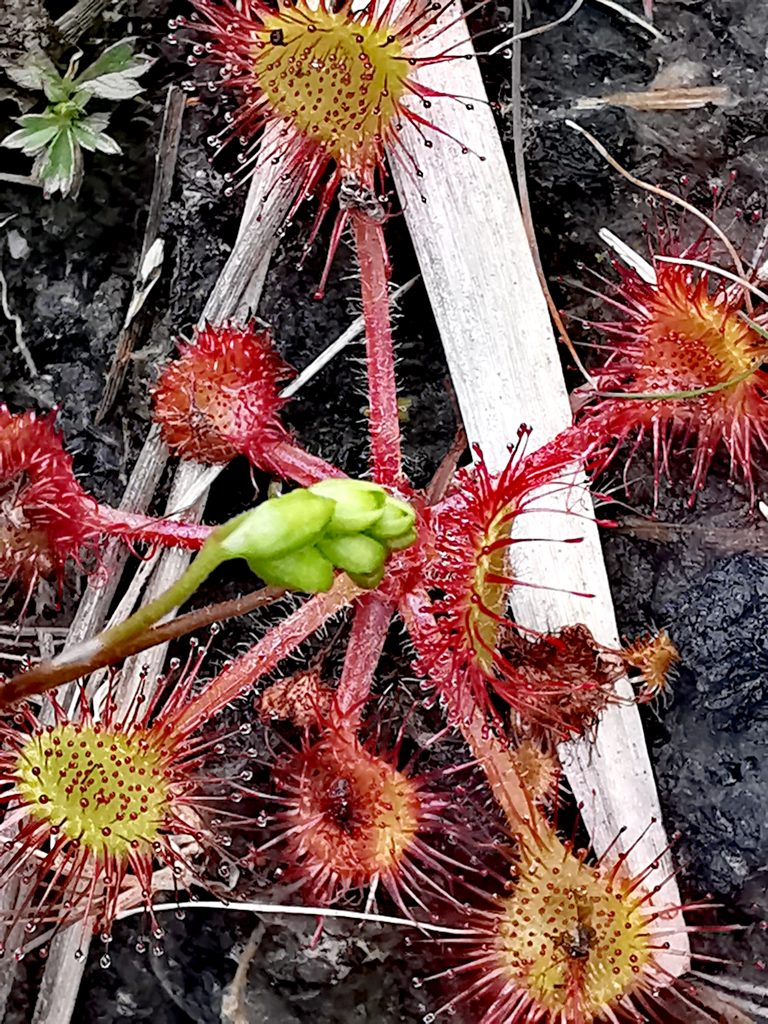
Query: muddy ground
x,y
69,268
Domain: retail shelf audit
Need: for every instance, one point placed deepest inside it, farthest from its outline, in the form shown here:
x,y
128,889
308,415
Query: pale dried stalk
x,y
691,97
235,294
504,362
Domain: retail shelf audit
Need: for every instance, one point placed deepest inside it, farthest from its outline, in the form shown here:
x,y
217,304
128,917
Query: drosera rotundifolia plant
x,y
689,352
99,798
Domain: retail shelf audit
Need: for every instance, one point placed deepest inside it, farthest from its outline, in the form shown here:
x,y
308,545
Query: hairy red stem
x,y
292,462
491,751
382,387
133,526
366,640
278,643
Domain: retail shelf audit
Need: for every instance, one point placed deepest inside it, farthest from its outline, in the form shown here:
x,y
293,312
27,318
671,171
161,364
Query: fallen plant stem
x,y
624,12
712,269
45,676
136,325
684,98
15,319
355,330
19,179
723,538
539,30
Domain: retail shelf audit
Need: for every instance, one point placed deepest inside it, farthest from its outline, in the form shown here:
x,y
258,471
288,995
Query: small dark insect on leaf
x,y
276,37
339,802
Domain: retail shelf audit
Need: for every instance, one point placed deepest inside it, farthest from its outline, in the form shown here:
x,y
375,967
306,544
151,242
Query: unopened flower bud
x,y
306,569
278,527
357,553
359,504
396,521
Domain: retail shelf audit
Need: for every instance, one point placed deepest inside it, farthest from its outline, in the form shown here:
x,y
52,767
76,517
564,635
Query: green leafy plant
x,y
57,137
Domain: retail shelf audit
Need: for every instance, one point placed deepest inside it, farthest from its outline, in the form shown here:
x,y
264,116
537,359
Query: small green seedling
x,y
57,137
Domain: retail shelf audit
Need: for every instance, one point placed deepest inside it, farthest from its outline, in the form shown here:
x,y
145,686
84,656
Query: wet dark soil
x,y
69,268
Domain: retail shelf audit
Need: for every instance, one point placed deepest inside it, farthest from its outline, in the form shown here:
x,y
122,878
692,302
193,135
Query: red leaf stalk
x,y
499,766
278,643
382,386
369,631
46,518
140,528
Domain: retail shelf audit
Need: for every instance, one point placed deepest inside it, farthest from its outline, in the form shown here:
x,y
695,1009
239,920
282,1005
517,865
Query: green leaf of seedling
x,y
118,86
96,141
36,122
112,76
59,168
36,131
116,57
30,141
97,123
40,74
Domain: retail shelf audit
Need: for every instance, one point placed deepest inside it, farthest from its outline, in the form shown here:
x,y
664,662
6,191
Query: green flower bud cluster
x,y
298,540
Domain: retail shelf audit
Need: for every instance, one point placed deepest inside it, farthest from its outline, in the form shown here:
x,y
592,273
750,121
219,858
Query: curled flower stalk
x,y
682,368
295,541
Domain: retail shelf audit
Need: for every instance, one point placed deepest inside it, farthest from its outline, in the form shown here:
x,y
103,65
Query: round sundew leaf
x,y
102,789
